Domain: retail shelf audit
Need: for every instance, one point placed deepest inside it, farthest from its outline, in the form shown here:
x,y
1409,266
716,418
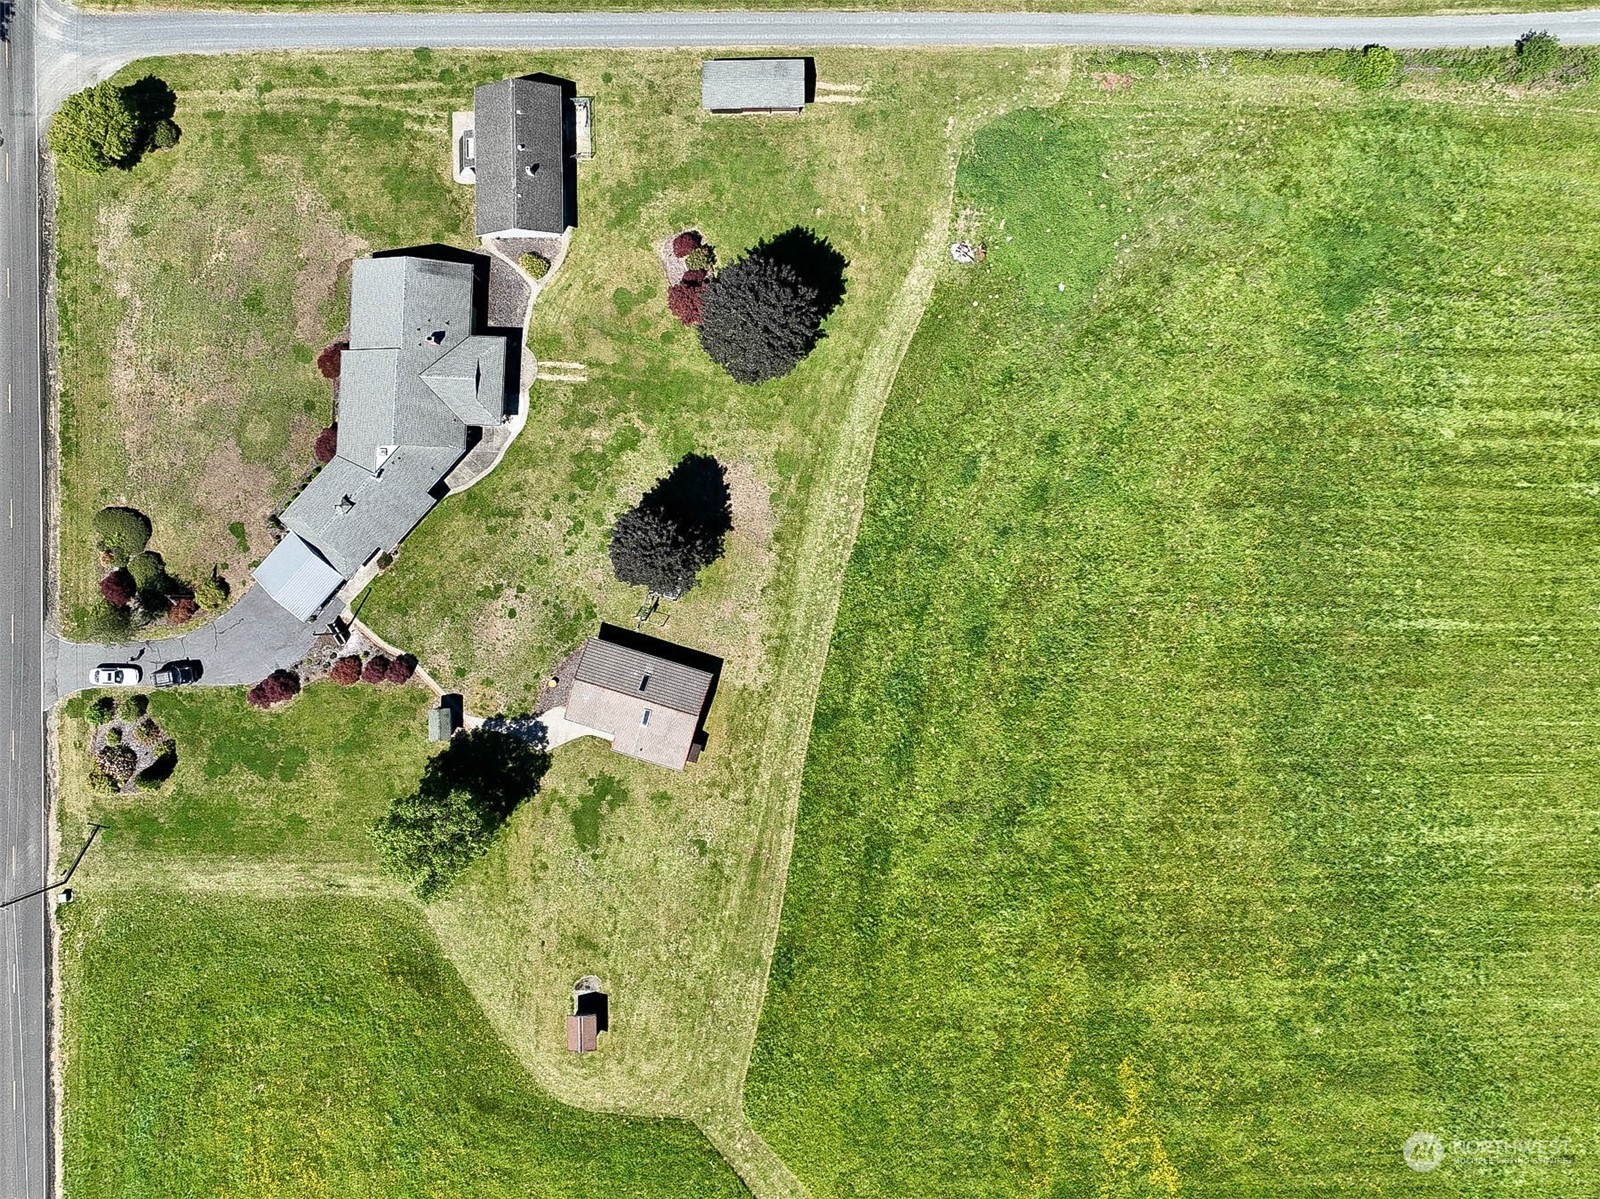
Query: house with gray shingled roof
x,y
416,387
733,85
524,144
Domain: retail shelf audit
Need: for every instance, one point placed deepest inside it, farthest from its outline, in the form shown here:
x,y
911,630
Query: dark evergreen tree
x,y
676,530
759,319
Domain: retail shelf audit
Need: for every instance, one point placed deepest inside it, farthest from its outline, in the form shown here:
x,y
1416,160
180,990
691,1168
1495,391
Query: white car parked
x,y
113,675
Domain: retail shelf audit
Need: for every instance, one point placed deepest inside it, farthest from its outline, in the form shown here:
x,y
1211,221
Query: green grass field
x,y
306,1047
251,1009
1201,794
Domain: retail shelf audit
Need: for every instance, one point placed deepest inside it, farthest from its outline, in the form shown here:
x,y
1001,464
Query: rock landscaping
x,y
129,751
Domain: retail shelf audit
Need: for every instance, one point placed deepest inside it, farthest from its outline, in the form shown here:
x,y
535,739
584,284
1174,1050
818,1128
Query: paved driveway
x,y
244,645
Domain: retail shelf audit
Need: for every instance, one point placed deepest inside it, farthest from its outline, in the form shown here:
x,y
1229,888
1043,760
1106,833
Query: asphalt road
x,y
75,49
85,48
24,1160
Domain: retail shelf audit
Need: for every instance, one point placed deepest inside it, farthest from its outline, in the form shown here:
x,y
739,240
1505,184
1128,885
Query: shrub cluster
x,y
111,125
327,445
380,668
138,577
118,761
536,265
277,688
686,298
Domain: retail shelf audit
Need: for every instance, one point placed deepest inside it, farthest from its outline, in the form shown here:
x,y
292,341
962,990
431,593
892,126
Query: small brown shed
x,y
582,1032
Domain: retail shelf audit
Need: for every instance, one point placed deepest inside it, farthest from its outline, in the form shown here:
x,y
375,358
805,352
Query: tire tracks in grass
x,y
835,511
836,505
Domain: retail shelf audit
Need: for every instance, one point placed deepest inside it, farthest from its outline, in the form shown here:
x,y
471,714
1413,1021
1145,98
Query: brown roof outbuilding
x,y
648,703
583,1033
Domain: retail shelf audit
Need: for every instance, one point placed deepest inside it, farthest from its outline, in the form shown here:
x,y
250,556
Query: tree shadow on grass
x,y
151,99
812,258
694,496
498,770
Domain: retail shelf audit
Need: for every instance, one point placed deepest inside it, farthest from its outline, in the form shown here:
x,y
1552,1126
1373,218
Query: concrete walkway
x,y
243,645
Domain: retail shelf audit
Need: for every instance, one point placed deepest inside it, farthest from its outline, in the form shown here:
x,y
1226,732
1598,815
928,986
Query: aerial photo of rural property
x,y
875,600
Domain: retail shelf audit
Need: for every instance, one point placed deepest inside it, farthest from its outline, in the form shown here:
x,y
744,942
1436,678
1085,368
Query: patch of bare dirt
x,y
231,489
750,552
324,261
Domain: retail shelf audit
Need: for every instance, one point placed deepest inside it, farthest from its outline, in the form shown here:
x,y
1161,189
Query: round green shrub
x,y
1374,67
211,593
101,622
536,265
123,531
166,134
1538,53
113,736
133,707
701,258
148,570
102,710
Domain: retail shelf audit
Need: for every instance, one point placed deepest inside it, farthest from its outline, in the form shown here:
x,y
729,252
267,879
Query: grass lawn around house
x,y
250,1008
196,290
294,790
502,580
225,1046
1201,795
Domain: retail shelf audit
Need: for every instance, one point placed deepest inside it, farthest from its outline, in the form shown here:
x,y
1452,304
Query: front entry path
x,y
243,645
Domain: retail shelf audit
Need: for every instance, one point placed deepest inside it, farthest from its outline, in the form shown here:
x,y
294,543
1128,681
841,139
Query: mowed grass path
x,y
249,1008
1203,789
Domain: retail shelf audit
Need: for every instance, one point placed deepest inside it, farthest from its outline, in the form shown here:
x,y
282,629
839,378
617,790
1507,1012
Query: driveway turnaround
x,y
243,645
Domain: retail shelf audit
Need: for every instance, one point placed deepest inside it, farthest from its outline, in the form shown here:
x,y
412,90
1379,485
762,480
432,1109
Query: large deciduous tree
x,y
465,795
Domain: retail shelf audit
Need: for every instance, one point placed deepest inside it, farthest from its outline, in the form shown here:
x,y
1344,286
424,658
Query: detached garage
x,y
734,85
